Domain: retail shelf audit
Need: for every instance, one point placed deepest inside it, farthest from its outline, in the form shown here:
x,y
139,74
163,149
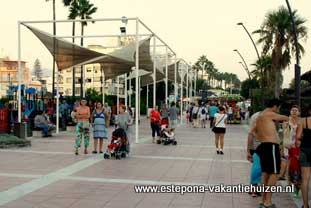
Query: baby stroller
x,y
167,136
119,145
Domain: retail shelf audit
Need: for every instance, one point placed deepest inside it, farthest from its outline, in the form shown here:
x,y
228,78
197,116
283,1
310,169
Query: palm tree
x,y
203,64
262,71
72,15
82,9
277,36
54,33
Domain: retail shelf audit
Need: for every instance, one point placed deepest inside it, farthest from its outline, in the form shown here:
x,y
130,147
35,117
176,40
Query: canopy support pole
x,y
181,96
147,102
195,82
103,85
187,84
166,75
125,90
130,94
19,93
175,81
136,83
57,102
139,103
118,94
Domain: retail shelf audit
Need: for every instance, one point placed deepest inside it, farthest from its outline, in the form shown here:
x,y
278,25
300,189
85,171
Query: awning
x,y
114,64
66,53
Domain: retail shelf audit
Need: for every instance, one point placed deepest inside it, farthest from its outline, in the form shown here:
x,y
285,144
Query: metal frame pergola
x,y
138,24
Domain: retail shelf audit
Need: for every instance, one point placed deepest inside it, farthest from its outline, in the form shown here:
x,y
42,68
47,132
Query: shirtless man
x,y
268,151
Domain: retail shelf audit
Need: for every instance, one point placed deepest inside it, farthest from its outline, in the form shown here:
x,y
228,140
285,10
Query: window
x,y
88,80
78,80
88,70
68,80
68,70
77,90
97,79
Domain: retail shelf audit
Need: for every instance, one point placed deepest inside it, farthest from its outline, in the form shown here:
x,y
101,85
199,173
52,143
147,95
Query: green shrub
x,y
8,141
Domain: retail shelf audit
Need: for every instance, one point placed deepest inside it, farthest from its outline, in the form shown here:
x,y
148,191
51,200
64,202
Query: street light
x,y
253,42
250,37
246,68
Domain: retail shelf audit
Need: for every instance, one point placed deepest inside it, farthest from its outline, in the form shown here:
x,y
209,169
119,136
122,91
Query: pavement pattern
x,y
49,175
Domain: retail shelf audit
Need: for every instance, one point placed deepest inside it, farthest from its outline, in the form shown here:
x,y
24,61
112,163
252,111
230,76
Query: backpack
x,y
203,111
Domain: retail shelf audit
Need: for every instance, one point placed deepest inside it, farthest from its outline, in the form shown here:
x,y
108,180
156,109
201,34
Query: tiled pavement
x,y
49,175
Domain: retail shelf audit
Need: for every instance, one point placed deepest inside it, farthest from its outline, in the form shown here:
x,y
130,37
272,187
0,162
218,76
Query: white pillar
x,y
103,85
154,72
181,96
136,82
191,84
19,93
175,80
139,101
187,83
195,82
118,94
130,94
125,90
57,102
166,75
147,102
83,81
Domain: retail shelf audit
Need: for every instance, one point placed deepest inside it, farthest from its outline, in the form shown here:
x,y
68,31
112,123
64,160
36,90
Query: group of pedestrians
x,y
97,116
279,153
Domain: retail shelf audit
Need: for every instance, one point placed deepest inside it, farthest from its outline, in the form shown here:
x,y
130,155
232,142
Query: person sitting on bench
x,y
42,122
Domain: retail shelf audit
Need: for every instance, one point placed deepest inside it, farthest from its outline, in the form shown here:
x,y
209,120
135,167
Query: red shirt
x,y
155,116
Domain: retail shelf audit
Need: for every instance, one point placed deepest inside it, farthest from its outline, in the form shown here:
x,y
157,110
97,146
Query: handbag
x,y
213,129
195,116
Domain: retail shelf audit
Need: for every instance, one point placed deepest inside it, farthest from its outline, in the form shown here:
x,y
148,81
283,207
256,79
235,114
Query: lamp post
x,y
246,68
253,42
297,67
250,37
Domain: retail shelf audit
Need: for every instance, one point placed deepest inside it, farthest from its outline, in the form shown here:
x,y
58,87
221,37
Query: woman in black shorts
x,y
219,129
305,155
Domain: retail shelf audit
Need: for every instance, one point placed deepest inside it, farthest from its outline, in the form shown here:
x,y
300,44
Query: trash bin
x,y
22,130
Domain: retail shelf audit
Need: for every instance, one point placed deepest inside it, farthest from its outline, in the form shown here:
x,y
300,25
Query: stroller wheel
x,y
174,142
123,155
118,157
106,156
113,154
159,141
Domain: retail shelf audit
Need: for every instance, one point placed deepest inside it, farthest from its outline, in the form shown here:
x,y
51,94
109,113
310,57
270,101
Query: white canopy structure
x,y
135,55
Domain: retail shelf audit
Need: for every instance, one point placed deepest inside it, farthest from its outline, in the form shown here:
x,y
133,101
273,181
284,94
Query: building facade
x,y
93,78
9,75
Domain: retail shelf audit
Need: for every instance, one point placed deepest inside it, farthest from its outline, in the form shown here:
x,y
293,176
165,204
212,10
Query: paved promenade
x,y
49,175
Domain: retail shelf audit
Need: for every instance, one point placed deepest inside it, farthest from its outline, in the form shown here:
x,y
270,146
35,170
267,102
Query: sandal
x,y
77,152
94,152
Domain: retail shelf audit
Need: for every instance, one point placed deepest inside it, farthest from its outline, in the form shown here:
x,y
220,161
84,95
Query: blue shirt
x,y
212,111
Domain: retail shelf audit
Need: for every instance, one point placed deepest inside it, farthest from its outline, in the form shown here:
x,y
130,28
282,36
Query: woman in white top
x,y
195,116
219,129
203,112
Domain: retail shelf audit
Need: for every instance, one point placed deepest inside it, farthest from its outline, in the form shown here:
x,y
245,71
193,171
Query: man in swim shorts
x,y
269,151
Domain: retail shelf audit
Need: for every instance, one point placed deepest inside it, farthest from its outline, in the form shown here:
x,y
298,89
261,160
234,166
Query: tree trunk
x,y
73,69
277,87
82,72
